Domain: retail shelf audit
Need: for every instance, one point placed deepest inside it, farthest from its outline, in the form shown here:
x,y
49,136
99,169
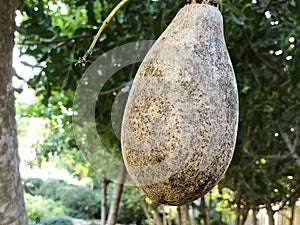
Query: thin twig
x,y
57,41
176,7
291,146
280,158
261,17
254,30
82,61
115,89
275,70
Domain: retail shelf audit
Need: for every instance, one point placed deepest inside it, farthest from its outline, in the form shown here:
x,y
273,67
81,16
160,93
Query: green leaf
x,y
235,19
158,23
91,13
47,34
234,9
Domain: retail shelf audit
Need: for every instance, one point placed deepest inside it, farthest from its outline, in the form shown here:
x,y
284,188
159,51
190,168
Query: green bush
x,y
130,211
82,202
77,201
34,223
32,185
53,189
40,209
59,220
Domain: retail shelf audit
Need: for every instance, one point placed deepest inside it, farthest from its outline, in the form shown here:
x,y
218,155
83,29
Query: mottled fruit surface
x,y
180,123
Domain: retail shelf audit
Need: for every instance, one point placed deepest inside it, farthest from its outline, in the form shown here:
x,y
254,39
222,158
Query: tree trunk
x,y
293,202
238,211
164,217
187,215
104,183
270,213
193,217
245,216
144,207
203,213
202,210
179,216
12,207
113,211
209,211
184,215
156,214
169,216
254,214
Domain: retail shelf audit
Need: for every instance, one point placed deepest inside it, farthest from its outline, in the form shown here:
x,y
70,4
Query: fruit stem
x,y
208,2
82,61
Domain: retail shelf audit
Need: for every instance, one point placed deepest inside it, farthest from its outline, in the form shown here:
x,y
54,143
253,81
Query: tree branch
x,y
115,89
176,7
57,41
262,15
253,31
194,205
279,157
82,61
291,146
259,56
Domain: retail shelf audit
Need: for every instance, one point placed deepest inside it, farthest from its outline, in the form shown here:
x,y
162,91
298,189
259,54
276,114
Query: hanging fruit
x,y
180,123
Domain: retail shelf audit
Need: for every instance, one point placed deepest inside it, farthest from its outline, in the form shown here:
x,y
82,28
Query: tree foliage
x,y
263,41
265,55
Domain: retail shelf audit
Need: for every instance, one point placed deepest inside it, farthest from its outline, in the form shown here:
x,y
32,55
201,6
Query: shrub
x,y
40,209
59,220
81,202
77,201
32,185
130,211
53,189
34,223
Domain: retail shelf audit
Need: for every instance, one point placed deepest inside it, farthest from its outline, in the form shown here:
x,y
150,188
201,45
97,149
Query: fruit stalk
x,y
208,2
82,61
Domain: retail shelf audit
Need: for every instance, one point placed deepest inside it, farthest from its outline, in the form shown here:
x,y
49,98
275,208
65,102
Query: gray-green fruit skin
x,y
180,122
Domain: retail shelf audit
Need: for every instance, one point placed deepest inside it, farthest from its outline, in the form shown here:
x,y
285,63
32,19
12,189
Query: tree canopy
x,y
263,41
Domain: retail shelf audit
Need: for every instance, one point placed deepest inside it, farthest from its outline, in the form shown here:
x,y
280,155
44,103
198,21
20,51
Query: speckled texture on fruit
x,y
180,123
